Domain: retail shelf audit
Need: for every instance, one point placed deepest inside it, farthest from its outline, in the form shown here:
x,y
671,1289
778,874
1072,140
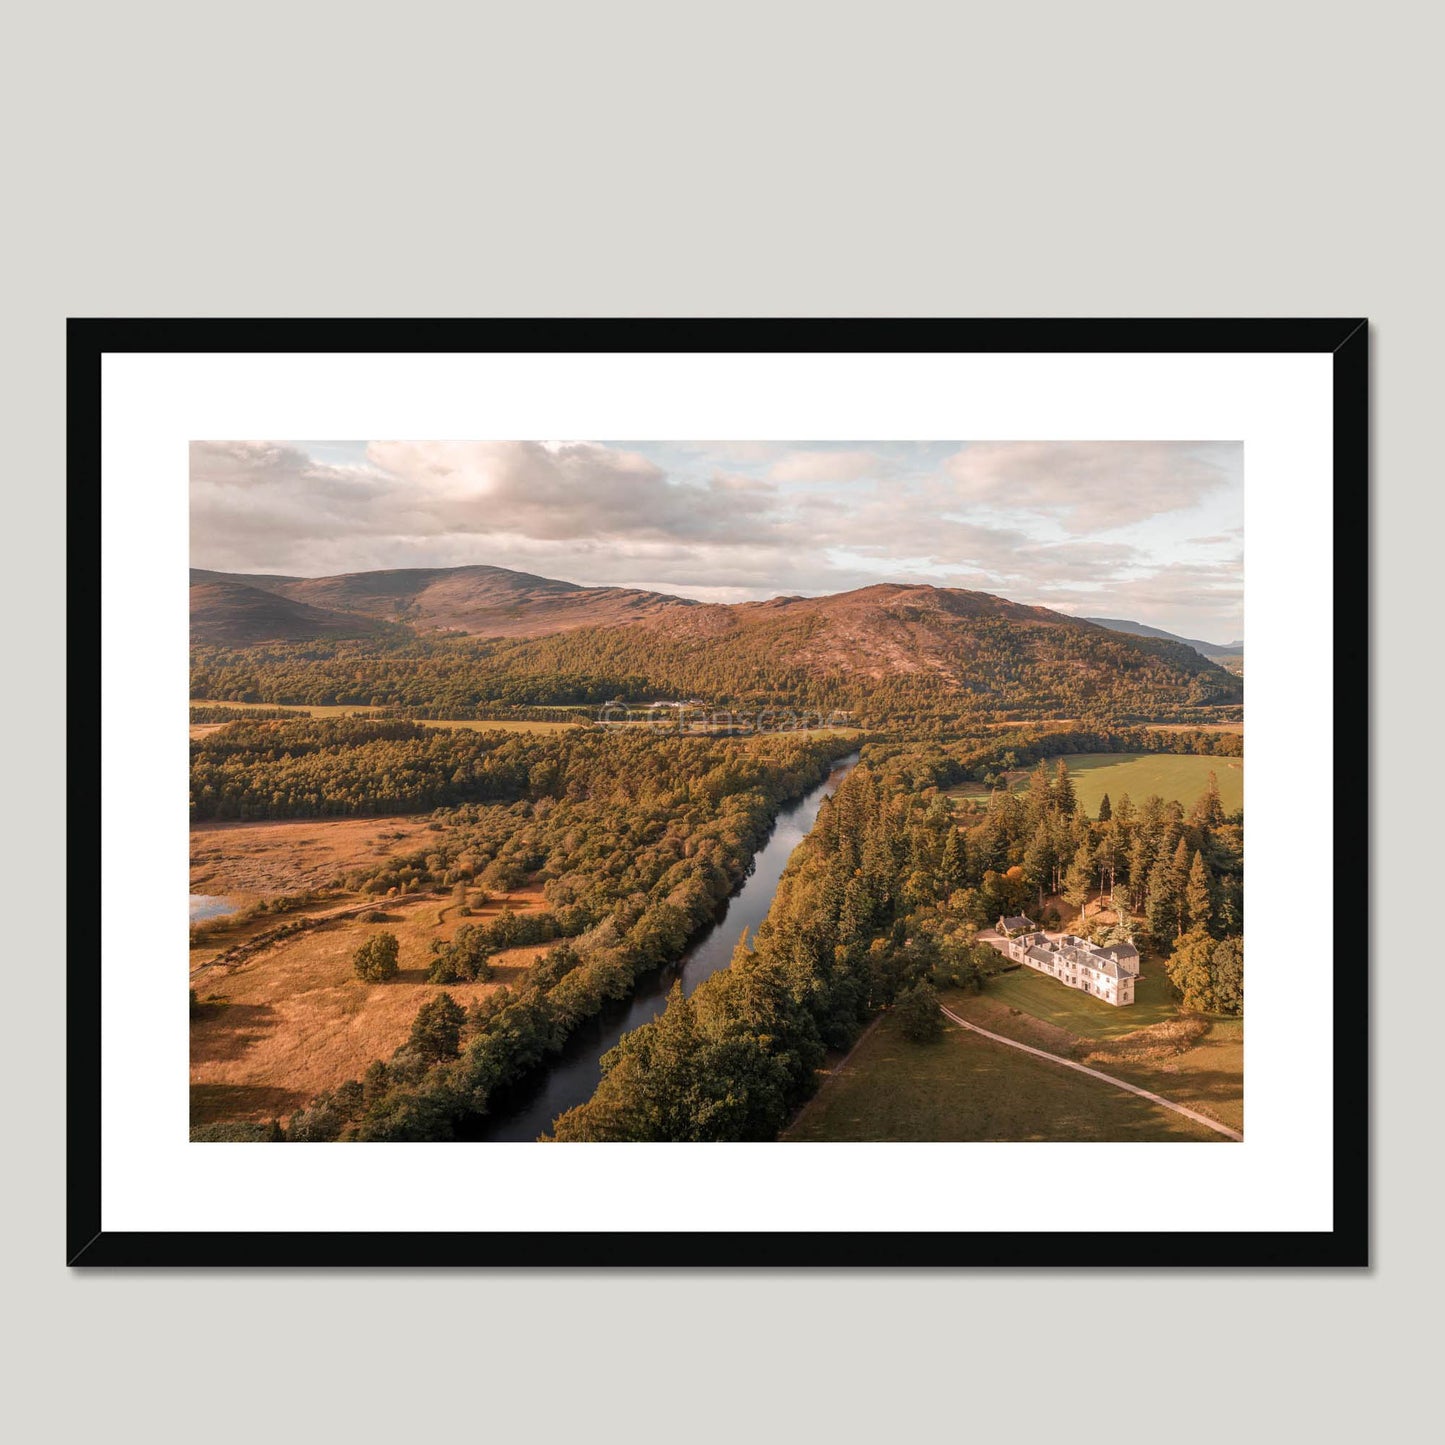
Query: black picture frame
x,y
88,1245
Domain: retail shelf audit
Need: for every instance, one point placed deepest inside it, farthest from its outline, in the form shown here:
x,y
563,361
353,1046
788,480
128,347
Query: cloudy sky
x,y
1146,530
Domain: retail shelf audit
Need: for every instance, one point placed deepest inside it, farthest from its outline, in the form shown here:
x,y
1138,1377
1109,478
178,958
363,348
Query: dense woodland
x,y
1083,672
301,767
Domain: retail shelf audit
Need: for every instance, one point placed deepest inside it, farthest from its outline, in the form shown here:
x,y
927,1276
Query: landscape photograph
x,y
668,791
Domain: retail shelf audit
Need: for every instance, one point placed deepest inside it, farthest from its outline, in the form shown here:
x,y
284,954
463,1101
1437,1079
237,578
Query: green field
x,y
1169,775
966,1088
1081,1013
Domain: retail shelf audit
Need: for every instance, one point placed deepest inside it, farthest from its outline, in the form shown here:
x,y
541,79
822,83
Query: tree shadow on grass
x,y
229,1031
214,1103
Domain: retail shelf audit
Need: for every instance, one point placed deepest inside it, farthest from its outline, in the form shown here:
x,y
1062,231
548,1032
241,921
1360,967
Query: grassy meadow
x,y
1169,775
297,1020
964,1088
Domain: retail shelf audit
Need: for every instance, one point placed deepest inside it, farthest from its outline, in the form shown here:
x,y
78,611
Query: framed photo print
x,y
717,792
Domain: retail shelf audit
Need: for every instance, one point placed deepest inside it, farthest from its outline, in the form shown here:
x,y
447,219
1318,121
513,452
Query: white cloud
x,y
826,466
1091,486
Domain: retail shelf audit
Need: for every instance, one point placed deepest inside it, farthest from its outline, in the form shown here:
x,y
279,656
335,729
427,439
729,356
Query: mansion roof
x,y
1116,960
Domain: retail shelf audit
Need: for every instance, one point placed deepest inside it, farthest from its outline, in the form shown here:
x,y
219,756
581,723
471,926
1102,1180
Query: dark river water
x,y
528,1110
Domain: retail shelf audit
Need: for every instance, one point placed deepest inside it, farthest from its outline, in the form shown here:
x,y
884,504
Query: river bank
x,y
527,1111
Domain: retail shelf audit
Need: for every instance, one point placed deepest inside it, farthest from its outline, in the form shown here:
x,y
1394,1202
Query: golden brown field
x,y
251,860
296,1019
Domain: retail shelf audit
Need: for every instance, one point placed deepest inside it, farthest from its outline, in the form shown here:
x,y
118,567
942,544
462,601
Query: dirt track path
x,y
1094,1073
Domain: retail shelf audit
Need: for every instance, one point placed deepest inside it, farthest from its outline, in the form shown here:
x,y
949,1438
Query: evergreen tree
x,y
436,1033
1199,894
1106,809
1080,876
1039,860
1227,965
1179,879
1064,798
1104,861
1208,811
1038,801
1141,862
1161,909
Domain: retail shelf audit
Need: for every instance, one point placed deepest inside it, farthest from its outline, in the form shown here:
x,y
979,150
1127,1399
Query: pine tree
x,y
1226,963
1063,795
1038,801
1141,861
1179,878
1104,860
436,1033
1106,809
1039,860
1161,910
1199,894
1080,876
1209,810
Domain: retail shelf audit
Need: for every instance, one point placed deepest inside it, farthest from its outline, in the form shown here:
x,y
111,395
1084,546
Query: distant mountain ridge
x,y
1211,650
488,601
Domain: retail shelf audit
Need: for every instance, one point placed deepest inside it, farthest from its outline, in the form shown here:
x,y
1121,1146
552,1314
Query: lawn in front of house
x,y
1128,1042
965,1088
1081,1013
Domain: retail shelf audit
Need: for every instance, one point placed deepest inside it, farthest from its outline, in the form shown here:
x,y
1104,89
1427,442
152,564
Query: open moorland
x,y
248,861
295,1018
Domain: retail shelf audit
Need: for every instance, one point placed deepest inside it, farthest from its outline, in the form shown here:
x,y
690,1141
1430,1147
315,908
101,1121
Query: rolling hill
x,y
485,601
489,632
228,612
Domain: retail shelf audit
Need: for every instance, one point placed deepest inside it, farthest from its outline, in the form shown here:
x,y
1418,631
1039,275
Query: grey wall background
x,y
635,159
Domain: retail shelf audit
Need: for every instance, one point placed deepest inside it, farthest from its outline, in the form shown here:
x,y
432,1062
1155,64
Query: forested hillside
x,y
886,653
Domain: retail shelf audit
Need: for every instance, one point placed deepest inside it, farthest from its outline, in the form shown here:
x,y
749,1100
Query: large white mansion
x,y
1107,971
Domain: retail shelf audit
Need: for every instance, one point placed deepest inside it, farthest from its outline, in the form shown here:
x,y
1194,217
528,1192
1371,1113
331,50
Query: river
x,y
527,1111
